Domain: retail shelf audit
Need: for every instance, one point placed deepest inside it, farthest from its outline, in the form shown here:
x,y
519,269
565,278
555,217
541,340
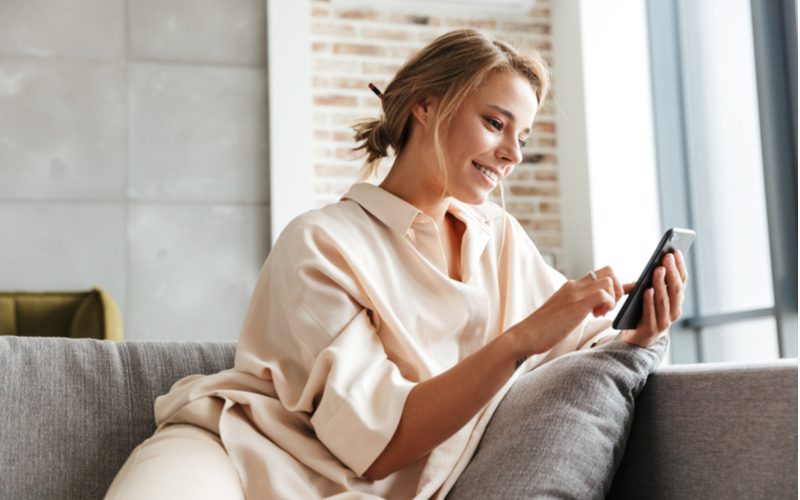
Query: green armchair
x,y
87,314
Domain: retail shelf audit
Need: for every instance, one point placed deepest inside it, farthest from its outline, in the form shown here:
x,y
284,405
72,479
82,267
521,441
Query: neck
x,y
415,180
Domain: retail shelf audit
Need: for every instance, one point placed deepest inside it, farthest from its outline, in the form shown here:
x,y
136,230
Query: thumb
x,y
627,287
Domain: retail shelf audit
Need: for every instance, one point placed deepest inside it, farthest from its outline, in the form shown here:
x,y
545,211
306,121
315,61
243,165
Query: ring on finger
x,y
593,275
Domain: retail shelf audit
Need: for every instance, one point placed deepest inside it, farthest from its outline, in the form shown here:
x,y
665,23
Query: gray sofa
x,y
72,410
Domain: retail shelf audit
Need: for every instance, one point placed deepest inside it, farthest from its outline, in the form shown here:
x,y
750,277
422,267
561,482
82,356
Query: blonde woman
x,y
385,328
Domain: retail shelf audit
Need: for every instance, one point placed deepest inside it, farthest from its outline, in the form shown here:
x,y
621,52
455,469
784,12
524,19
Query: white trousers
x,y
179,461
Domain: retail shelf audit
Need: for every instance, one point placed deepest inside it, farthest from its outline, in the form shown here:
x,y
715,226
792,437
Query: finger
x,y
600,301
675,288
608,286
602,281
608,272
648,322
679,260
608,302
673,278
661,299
589,279
627,287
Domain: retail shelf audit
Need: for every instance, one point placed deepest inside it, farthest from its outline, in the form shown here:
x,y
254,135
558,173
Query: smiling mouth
x,y
488,173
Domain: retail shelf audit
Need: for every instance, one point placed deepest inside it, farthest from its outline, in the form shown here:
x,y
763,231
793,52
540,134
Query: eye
x,y
494,123
498,125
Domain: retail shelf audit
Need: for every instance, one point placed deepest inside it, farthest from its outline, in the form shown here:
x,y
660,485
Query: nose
x,y
509,151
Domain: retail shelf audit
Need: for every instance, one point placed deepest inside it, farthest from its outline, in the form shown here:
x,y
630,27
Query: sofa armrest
x,y
718,430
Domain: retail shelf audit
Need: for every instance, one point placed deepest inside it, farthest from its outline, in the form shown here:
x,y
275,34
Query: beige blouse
x,y
354,307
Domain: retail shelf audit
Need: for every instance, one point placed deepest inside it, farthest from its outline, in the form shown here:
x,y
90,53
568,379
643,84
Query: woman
x,y
382,325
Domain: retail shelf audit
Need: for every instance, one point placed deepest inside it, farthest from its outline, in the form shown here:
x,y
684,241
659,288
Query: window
x,y
725,107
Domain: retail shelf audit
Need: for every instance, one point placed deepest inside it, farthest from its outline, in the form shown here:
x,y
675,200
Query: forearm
x,y
436,408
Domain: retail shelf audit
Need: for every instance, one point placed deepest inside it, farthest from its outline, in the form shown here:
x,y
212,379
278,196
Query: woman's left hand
x,y
661,304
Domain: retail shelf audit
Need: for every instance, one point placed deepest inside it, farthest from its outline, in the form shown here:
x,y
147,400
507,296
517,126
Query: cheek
x,y
467,143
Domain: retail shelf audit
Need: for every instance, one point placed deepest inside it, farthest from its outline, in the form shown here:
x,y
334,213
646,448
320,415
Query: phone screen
x,y
631,312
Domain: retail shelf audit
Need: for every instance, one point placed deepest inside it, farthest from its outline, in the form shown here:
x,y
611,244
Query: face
x,y
484,140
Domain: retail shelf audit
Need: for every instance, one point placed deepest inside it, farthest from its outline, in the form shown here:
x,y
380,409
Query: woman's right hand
x,y
566,309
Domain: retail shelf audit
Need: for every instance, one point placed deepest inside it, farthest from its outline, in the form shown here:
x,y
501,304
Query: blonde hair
x,y
450,68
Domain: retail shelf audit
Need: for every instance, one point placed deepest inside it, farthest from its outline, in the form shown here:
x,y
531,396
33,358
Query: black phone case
x,y
631,311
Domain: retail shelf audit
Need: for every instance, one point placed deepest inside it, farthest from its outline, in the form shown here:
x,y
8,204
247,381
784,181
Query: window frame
x,y
775,51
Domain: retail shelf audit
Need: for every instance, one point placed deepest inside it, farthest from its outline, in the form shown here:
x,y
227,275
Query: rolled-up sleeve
x,y
363,399
321,345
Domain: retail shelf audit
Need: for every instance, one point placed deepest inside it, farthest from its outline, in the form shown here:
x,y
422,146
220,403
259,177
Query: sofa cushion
x,y
73,409
560,431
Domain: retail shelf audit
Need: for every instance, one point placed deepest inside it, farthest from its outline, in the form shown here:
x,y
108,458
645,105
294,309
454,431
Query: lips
x,y
489,172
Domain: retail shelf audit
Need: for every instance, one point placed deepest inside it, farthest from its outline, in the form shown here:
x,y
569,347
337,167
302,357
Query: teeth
x,y
486,171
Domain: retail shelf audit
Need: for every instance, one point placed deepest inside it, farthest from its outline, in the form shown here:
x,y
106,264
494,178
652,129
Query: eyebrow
x,y
508,114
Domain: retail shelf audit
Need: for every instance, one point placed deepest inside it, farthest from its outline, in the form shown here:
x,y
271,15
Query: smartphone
x,y
631,311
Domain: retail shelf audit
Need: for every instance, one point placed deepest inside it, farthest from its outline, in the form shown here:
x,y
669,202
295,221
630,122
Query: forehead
x,y
510,91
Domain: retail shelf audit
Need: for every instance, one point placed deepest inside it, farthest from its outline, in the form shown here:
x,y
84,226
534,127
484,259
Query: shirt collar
x,y
469,215
399,215
386,207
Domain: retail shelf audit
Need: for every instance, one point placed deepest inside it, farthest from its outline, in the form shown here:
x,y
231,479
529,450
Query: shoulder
x,y
317,259
323,230
342,215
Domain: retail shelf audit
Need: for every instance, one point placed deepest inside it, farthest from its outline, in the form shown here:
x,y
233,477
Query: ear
x,y
424,110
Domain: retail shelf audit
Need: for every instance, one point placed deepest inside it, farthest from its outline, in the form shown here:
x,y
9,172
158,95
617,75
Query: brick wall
x,y
353,46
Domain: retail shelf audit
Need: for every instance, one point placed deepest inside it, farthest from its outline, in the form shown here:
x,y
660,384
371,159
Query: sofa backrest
x,y
72,410
713,430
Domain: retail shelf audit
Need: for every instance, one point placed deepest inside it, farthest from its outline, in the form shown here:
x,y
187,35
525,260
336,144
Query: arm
x,y
436,408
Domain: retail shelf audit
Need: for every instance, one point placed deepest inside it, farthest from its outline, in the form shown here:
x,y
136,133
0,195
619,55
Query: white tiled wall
x,y
77,28
62,129
63,246
192,267
208,31
133,156
197,133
